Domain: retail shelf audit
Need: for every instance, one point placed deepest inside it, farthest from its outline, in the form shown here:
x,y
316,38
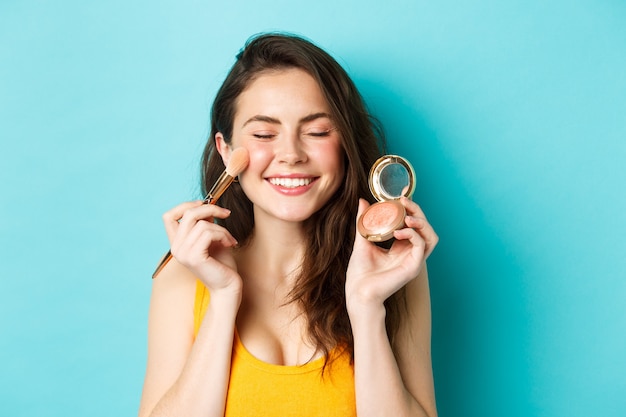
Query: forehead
x,y
285,92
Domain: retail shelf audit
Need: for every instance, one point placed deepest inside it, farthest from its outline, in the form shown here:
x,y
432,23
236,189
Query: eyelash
x,y
258,136
319,134
314,134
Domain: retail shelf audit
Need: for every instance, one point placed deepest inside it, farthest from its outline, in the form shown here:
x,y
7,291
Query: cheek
x,y
332,154
260,157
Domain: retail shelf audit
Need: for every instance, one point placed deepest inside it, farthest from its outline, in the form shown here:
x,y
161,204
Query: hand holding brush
x,y
237,163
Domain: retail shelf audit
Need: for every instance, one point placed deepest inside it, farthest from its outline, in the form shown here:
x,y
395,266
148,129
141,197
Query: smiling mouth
x,y
291,182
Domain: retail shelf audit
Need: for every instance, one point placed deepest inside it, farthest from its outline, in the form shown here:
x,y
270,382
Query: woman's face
x,y
296,157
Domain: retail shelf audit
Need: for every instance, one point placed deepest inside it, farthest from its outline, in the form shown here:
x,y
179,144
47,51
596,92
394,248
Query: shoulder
x,y
170,330
172,300
174,281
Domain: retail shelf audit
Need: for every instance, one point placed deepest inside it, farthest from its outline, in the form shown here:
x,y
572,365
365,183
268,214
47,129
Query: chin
x,y
294,218
296,215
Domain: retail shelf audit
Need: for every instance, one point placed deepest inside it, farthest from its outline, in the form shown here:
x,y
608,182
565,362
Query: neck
x,y
274,253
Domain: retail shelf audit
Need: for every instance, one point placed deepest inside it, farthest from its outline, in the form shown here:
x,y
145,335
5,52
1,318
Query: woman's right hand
x,y
201,245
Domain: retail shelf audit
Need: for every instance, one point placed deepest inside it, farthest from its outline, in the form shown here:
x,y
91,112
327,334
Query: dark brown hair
x,y
320,287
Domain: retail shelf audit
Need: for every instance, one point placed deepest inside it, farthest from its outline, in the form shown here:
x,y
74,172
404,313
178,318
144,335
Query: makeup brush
x,y
238,161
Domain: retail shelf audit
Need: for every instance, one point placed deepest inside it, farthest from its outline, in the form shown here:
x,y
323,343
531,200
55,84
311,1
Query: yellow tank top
x,y
258,388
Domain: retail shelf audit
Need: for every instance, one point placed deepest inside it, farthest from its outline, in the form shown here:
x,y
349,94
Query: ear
x,y
222,147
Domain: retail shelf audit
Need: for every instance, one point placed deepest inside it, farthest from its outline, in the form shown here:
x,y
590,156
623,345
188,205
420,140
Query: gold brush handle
x,y
162,264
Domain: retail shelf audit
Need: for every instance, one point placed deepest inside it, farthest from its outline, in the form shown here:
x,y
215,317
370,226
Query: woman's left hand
x,y
375,273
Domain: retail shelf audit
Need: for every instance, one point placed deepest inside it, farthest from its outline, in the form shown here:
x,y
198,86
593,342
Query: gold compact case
x,y
391,178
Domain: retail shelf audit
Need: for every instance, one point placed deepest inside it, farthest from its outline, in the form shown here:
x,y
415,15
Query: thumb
x,y
358,238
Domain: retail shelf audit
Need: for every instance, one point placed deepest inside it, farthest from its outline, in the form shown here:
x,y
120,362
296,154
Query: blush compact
x,y
391,178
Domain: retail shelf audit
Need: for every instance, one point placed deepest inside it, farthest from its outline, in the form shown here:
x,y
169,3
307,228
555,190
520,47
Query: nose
x,y
290,150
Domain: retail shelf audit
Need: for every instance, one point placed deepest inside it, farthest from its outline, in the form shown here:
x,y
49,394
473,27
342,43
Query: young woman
x,y
272,305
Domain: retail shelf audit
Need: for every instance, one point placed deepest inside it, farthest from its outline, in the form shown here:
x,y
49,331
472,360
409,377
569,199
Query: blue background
x,y
513,113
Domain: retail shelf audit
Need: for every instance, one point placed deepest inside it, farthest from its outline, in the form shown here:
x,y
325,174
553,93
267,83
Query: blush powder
x,y
379,216
380,220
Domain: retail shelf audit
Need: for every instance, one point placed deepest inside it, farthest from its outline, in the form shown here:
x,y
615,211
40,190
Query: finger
x,y
201,238
206,229
410,235
417,220
412,208
204,212
201,212
409,242
172,216
425,231
414,222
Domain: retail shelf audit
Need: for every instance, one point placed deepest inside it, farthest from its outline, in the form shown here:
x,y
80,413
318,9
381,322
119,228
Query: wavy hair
x,y
329,233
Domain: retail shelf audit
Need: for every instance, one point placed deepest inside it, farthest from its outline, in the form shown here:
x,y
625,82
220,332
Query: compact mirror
x,y
391,178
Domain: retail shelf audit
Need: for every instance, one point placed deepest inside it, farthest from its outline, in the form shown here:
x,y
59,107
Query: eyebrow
x,y
272,120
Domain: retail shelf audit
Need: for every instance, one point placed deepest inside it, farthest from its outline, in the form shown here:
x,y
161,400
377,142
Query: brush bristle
x,y
238,161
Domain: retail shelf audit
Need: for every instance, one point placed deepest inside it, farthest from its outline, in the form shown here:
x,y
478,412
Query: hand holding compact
x,y
375,273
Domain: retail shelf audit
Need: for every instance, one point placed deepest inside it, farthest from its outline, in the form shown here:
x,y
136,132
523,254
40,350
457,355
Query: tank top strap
x,y
201,303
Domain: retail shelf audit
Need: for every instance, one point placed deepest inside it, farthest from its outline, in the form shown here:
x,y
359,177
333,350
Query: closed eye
x,y
263,135
320,133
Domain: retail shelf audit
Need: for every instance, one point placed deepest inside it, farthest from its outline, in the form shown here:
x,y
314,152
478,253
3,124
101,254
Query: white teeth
x,y
291,182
